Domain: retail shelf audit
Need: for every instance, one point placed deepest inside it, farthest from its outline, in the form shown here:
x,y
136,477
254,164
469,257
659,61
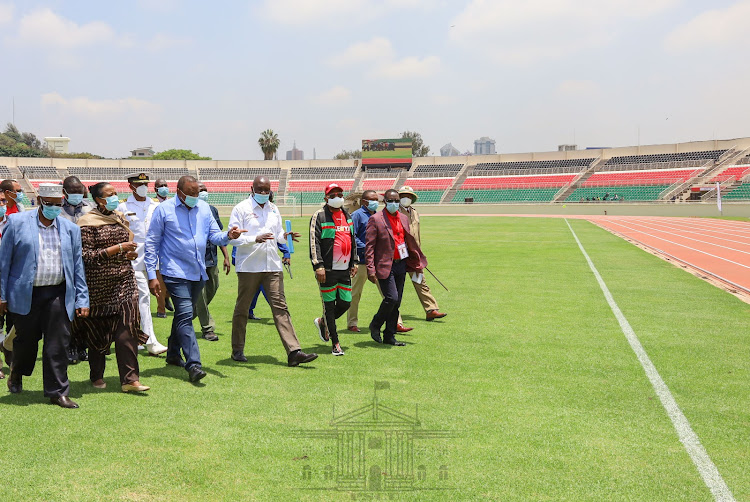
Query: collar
x,y
136,201
254,204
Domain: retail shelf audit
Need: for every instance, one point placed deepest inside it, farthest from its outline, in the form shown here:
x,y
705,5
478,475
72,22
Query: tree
x,y
13,143
176,154
348,154
418,148
269,143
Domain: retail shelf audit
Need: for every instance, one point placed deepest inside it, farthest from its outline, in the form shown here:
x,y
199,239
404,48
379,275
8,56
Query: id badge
x,y
403,253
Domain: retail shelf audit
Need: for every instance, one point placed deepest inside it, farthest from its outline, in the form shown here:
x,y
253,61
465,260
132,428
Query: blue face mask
x,y
163,191
392,207
191,201
372,206
74,198
112,202
203,196
261,198
2,211
20,197
51,212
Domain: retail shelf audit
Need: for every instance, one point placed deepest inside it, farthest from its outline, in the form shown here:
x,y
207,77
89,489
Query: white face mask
x,y
336,202
405,201
141,190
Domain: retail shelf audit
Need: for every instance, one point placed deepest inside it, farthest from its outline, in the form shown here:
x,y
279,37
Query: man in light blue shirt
x,y
176,244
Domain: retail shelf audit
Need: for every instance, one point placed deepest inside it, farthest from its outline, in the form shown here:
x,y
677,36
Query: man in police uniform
x,y
138,209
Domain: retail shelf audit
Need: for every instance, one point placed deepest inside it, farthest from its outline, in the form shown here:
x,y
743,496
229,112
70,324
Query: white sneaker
x,y
155,348
337,351
322,331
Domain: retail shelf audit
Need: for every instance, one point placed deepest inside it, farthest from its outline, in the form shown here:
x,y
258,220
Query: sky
x,y
531,74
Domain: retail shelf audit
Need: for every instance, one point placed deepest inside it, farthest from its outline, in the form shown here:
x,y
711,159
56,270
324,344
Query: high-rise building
x,y
295,154
484,146
449,151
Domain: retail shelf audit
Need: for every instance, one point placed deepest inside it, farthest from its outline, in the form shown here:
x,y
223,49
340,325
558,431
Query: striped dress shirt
x,y
49,268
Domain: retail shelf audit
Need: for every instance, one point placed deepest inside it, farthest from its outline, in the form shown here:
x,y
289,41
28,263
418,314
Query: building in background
x,y
566,148
145,151
449,151
295,153
58,144
484,146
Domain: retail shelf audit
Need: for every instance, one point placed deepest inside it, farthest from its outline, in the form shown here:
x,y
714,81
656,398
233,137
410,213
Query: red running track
x,y
720,248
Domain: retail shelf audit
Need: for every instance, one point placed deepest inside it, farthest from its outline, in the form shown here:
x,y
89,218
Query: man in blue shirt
x,y
176,244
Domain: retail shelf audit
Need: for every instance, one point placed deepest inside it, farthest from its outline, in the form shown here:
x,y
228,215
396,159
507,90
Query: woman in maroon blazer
x,y
390,253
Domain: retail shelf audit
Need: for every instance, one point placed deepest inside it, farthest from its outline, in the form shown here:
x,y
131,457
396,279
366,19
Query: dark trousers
x,y
126,351
47,320
336,293
184,295
393,290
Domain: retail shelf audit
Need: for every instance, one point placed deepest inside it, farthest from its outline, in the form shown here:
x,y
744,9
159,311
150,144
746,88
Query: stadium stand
x,y
4,173
39,172
322,173
562,165
436,171
737,172
234,173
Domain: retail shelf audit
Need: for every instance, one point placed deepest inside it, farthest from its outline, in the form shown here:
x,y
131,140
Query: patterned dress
x,y
113,294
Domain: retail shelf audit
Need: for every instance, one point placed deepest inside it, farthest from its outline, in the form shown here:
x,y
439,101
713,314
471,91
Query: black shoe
x,y
161,315
375,334
83,355
196,373
72,356
175,361
15,382
392,341
298,357
211,336
168,305
239,356
253,317
63,402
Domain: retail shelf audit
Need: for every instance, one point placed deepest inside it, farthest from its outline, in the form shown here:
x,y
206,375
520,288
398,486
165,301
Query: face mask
x,y
190,200
74,198
2,211
392,207
372,206
111,202
163,191
141,190
261,198
405,201
203,196
20,197
51,212
336,202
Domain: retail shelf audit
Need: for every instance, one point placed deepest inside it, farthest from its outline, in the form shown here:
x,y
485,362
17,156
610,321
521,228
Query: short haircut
x,y
368,192
96,190
185,180
72,183
391,190
7,185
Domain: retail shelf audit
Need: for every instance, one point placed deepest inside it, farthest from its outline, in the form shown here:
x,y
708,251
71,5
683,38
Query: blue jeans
x,y
185,294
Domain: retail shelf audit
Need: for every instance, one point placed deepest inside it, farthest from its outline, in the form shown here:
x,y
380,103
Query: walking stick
x,y
438,280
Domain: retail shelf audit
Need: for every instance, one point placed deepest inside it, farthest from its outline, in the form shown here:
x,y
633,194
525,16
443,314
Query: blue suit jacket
x,y
19,248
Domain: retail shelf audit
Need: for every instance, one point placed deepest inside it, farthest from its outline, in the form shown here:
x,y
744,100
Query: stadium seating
x,y
563,165
322,173
378,183
4,173
530,181
739,193
39,172
437,171
625,192
737,172
506,195
239,173
640,177
666,157
317,185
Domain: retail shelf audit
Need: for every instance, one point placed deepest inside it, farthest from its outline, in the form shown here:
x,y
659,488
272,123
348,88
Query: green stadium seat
x,y
742,192
629,193
508,195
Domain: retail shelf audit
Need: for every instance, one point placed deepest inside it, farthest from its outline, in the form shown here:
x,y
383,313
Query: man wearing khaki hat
x,y
429,303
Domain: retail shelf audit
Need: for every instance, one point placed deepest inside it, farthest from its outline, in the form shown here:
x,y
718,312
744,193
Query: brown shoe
x,y
400,328
298,357
63,402
435,314
354,329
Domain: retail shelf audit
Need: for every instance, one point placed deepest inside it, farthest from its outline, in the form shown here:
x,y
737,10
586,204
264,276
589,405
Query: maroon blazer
x,y
380,246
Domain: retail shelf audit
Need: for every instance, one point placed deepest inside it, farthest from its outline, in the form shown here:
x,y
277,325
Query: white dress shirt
x,y
256,219
49,267
138,213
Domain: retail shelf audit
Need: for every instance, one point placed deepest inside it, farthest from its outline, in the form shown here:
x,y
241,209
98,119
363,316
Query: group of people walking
x,y
80,276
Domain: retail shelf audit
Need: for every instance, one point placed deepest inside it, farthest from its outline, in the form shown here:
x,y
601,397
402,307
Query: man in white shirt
x,y
257,262
138,209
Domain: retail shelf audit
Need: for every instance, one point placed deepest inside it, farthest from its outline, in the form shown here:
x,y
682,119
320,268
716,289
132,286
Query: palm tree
x,y
269,143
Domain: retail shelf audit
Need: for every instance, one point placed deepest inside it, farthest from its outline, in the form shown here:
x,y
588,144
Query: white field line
x,y
688,226
681,245
690,440
651,227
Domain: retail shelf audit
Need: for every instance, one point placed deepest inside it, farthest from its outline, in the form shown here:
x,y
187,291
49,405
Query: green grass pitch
x,y
529,373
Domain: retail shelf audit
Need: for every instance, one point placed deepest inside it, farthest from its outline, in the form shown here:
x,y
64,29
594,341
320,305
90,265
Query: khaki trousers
x,y
358,284
273,283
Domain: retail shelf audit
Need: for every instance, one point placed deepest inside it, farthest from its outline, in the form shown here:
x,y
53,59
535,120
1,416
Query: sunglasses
x,y
391,200
51,204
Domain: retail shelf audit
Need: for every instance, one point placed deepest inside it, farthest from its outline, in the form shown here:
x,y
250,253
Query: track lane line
x,y
689,439
687,237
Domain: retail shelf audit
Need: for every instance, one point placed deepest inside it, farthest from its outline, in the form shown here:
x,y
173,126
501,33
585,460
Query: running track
x,y
720,248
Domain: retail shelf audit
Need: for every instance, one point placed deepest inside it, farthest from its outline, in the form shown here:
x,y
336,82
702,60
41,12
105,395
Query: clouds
x,y
337,95
512,32
329,12
712,29
44,28
106,109
379,55
6,13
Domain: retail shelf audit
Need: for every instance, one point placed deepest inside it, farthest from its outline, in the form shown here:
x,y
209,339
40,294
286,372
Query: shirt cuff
x,y
151,274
